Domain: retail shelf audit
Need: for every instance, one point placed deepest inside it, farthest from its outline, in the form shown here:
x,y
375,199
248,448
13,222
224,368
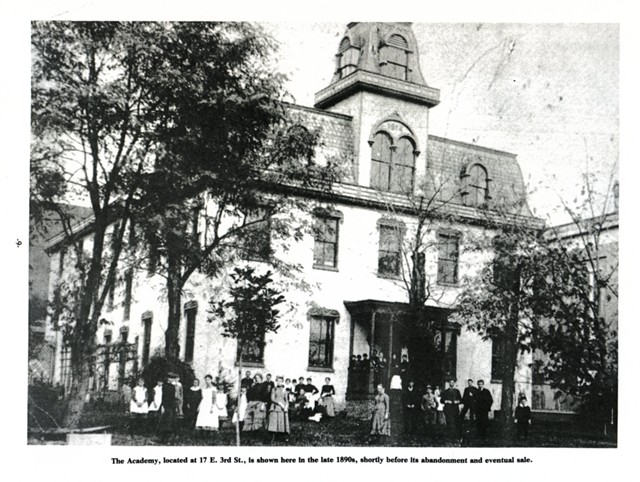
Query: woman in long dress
x,y
192,399
279,412
380,424
428,406
440,418
207,412
257,399
326,398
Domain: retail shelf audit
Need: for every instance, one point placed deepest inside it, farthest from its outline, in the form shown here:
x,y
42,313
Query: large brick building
x,y
374,118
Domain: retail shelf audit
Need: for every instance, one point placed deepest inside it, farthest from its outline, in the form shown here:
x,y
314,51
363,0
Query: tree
x,y
248,314
497,302
196,216
114,104
537,294
580,358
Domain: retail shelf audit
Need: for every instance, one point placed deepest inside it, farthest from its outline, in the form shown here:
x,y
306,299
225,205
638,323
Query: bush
x,y
159,366
45,405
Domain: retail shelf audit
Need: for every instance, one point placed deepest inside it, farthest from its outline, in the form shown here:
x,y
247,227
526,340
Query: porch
x,y
387,340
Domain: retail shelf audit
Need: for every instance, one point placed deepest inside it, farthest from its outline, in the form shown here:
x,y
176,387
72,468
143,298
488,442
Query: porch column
x,y
370,387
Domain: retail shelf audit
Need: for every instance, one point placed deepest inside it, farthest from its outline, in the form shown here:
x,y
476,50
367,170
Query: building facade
x,y
351,295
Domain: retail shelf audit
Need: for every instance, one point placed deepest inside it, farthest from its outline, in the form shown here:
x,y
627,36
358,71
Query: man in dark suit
x,y
169,407
469,397
483,407
411,408
247,381
451,399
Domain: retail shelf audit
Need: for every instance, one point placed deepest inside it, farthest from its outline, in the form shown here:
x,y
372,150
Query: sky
x,y
546,92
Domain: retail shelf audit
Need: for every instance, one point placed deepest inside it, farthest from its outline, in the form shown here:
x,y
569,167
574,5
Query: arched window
x,y
393,57
392,166
381,162
348,55
403,166
475,189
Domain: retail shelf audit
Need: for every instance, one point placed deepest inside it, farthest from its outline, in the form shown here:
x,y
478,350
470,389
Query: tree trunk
x,y
79,390
84,333
174,297
510,360
238,399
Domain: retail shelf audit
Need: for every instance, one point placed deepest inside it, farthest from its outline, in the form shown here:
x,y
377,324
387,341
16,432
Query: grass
x,y
344,431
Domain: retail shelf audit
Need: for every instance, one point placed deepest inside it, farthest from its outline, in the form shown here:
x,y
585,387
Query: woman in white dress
x,y
207,412
221,404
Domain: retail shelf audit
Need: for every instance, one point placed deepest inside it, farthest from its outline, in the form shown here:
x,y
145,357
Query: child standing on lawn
x,y
138,407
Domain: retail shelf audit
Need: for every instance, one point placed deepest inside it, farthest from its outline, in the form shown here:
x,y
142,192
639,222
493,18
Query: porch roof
x,y
381,306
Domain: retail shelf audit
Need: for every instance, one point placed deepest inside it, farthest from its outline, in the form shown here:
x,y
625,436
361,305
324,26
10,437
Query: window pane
x,y
321,342
318,253
380,149
404,152
329,254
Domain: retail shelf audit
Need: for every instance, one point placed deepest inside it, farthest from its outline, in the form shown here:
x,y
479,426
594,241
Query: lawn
x,y
352,432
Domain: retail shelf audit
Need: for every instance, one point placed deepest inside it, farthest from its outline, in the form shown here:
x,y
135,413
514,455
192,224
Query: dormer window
x,y
475,186
348,56
394,56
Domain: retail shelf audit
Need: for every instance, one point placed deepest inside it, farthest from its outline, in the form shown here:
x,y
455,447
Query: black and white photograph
x,y
320,237
214,263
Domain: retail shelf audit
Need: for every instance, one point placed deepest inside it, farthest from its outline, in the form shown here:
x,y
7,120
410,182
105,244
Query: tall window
x,y
128,293
111,297
256,237
191,309
321,342
389,254
445,341
475,190
347,58
497,356
448,253
394,58
147,321
392,166
325,249
252,350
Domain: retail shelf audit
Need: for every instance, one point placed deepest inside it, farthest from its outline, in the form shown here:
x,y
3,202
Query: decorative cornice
x,y
376,83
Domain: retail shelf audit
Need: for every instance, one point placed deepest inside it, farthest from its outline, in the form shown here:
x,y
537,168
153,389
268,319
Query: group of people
x,y
361,368
262,404
302,400
448,407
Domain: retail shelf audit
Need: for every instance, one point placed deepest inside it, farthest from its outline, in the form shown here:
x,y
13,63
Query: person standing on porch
x,y
380,423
